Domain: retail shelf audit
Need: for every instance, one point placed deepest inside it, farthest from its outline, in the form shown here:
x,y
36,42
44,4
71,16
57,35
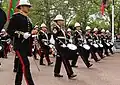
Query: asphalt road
x,y
105,72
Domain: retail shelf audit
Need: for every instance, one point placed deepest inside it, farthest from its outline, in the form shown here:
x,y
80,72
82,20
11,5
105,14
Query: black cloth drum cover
x,y
66,52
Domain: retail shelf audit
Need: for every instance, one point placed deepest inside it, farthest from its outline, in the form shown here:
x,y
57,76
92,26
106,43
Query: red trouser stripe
x,y
23,65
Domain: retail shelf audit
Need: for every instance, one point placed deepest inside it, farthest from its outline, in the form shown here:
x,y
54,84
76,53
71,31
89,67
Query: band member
x,y
79,41
96,41
90,43
62,51
6,41
44,43
20,27
108,37
73,55
104,42
3,19
35,43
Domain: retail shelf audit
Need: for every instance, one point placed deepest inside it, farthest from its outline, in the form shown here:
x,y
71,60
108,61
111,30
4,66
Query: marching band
x,y
65,44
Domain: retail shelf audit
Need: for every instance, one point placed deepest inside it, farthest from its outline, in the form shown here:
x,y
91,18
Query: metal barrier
x,y
117,44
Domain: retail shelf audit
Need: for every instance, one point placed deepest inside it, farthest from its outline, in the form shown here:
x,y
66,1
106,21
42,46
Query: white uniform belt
x,y
61,37
44,40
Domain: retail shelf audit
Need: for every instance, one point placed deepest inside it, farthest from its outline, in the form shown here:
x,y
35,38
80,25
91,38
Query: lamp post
x,y
113,29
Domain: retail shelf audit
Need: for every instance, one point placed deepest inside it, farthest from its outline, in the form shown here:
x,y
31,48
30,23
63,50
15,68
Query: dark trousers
x,y
100,52
42,57
23,69
93,51
66,63
62,56
16,62
34,53
84,55
110,49
44,53
2,54
74,60
106,49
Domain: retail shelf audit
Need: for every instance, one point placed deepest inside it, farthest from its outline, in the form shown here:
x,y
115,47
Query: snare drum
x,y
87,47
111,43
72,46
101,45
108,44
72,51
95,45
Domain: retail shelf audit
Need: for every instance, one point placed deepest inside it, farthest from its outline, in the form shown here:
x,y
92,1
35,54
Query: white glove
x,y
70,40
26,35
34,35
63,45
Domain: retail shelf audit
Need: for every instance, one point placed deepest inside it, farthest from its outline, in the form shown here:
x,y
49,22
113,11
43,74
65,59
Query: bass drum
x,y
95,45
87,47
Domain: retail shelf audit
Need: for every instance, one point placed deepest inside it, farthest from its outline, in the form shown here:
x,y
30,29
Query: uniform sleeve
x,y
40,36
11,27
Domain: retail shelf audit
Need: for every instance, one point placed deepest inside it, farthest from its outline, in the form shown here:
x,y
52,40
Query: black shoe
x,y
0,64
74,66
102,57
72,76
50,63
112,53
107,55
97,60
14,70
58,75
89,65
42,64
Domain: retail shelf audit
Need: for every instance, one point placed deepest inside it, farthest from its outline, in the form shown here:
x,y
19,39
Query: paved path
x,y
106,72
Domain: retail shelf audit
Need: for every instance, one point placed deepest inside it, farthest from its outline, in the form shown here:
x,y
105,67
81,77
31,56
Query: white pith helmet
x,y
59,17
103,30
3,30
95,29
107,31
69,30
23,2
77,24
88,28
36,26
43,25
